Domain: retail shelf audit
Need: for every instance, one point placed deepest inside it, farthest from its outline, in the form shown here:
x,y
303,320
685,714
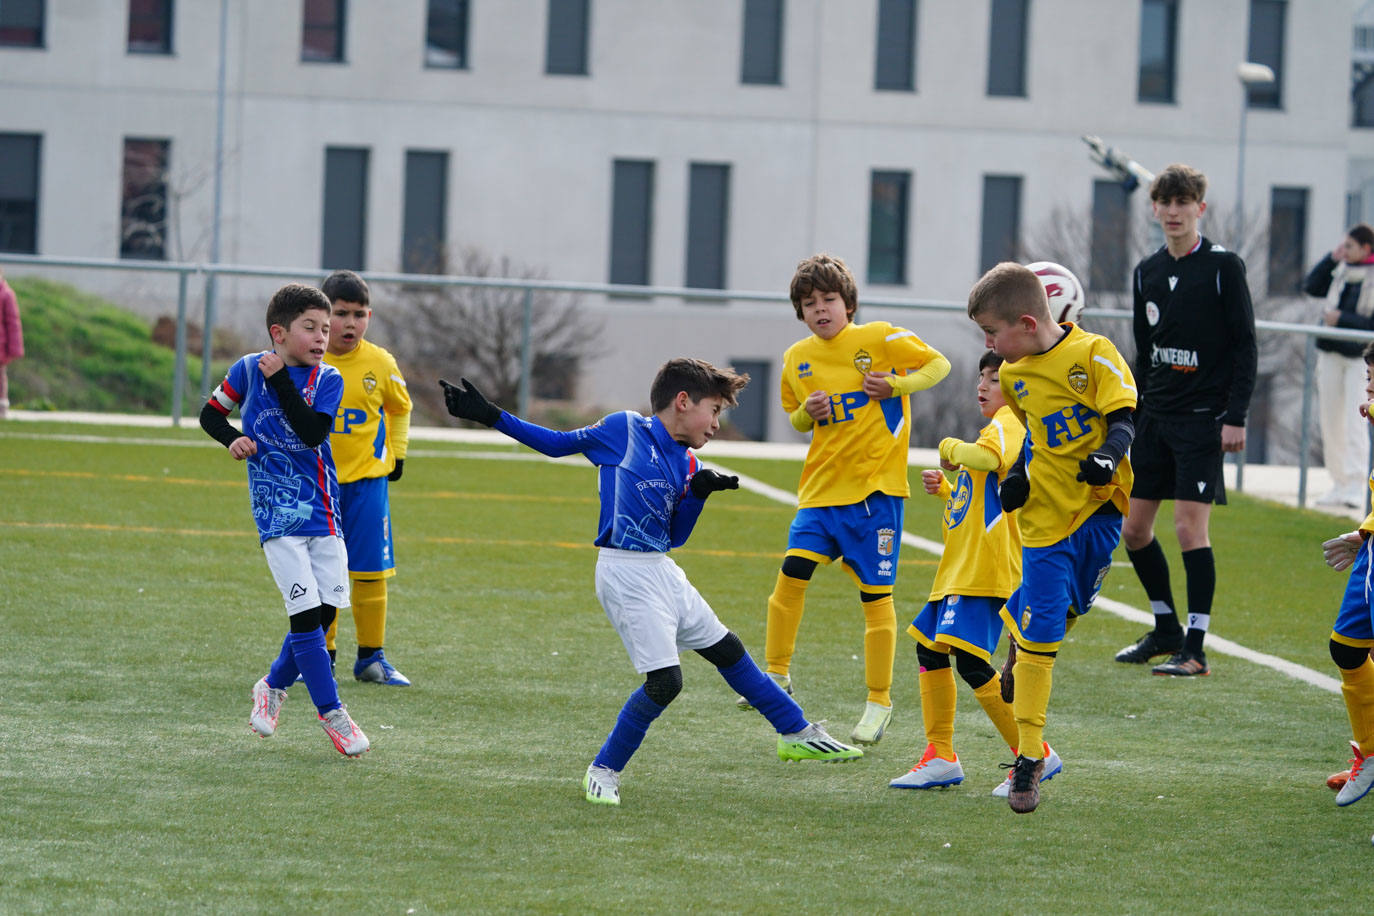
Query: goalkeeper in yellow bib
x,y
371,433
1075,395
847,384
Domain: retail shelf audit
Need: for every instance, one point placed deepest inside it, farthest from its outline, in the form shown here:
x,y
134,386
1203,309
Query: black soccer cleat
x,y
1183,663
1024,796
1150,646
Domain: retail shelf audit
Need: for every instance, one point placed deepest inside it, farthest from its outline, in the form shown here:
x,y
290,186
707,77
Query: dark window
x,y
896,46
446,34
1108,269
750,415
1287,239
19,192
1007,47
21,24
1266,47
632,221
708,212
322,31
1001,219
345,209
1362,98
565,51
1158,47
143,207
426,201
761,54
887,209
150,27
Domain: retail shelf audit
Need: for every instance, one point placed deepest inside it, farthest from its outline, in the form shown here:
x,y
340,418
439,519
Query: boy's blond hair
x,y
1179,181
828,274
1009,291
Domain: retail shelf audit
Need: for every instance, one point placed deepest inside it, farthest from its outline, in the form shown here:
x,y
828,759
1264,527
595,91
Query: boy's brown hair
x,y
1363,234
698,378
828,274
292,301
345,285
1009,291
1368,353
1181,181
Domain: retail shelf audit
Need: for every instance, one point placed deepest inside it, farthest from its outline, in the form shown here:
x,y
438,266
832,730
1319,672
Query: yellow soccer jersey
x,y
863,447
982,553
372,427
1062,396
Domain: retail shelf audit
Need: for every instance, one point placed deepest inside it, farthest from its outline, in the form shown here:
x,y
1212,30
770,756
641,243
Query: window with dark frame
x,y
1108,266
322,31
446,34
1007,47
19,168
150,27
1266,47
632,218
143,199
1362,97
1158,50
1287,240
895,48
1001,227
565,48
21,24
888,203
424,220
344,238
761,43
708,217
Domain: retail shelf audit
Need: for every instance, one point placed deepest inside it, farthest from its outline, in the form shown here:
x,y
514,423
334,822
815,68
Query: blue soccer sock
x,y
283,672
312,658
781,711
638,713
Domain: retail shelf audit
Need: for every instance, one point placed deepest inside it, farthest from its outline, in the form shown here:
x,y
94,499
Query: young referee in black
x,y
1195,364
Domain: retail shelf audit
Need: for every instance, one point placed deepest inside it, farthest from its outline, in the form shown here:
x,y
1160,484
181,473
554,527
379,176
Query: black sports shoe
x,y
1150,646
1025,784
1184,663
1007,678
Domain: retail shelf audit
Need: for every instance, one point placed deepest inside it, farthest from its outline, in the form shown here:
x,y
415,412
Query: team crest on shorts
x,y
369,382
863,362
885,536
1078,378
1025,619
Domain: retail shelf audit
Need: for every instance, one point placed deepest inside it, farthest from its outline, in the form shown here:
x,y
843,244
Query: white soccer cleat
x,y
782,680
1053,767
1361,778
347,736
602,785
871,726
266,707
931,772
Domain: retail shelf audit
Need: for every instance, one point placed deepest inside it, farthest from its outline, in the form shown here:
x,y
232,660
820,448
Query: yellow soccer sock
x,y
937,709
1357,688
880,648
1033,680
329,636
369,612
785,608
989,696
1069,622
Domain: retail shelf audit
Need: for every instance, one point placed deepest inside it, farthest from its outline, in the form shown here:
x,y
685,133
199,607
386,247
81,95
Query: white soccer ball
x,y
1062,288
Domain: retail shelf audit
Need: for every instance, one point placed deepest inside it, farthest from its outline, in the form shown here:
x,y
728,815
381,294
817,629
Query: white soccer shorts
x,y
653,607
310,571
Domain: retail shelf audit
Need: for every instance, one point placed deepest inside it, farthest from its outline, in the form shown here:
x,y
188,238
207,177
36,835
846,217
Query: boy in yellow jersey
x,y
371,433
847,384
978,570
1074,394
1352,636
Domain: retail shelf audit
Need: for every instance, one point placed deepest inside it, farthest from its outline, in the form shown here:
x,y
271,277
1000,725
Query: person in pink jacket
x,y
11,341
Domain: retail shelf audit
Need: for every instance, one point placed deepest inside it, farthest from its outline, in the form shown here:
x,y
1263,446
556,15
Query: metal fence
x,y
207,275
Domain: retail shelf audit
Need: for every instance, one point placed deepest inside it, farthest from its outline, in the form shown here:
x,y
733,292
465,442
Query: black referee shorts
x,y
1178,457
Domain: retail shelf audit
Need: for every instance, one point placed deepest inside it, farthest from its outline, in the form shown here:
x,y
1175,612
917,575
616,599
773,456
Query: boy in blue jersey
x,y
847,384
287,399
652,491
1074,394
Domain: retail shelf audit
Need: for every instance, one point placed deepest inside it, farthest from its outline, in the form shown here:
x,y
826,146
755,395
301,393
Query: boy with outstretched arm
x,y
1074,394
978,570
286,399
652,490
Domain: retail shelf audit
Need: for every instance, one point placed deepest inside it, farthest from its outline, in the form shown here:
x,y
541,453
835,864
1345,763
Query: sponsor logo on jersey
x,y
863,362
804,370
1019,389
885,538
1152,313
369,382
1078,378
1067,424
1173,283
1176,358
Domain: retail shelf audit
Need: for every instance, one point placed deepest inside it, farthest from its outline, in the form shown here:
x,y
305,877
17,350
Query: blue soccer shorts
x,y
1059,581
968,622
866,534
1354,625
367,528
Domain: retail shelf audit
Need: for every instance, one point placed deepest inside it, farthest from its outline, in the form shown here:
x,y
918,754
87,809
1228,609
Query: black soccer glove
x,y
467,403
706,481
395,474
1013,492
1097,469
